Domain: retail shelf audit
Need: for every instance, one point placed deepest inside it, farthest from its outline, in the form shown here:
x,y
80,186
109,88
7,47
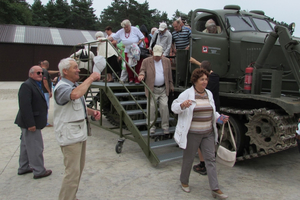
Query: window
x,y
262,25
240,23
201,20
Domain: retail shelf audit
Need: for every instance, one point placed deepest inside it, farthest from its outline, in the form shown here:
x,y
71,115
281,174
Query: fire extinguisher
x,y
248,80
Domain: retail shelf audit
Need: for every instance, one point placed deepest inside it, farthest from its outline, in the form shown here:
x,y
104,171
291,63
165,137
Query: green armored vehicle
x,y
264,105
257,60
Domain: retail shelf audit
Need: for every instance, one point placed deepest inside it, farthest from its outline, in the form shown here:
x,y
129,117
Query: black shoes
x,y
201,169
25,172
47,173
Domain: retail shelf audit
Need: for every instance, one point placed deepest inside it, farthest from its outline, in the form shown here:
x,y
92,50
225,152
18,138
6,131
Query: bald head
x,y
211,26
36,73
45,64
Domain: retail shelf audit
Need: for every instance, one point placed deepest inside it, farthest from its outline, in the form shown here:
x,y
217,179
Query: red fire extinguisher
x,y
248,80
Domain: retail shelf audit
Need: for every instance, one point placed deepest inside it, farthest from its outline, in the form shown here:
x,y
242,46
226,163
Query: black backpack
x,y
84,57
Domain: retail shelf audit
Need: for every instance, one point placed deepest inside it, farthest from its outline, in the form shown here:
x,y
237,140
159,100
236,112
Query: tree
x,y
39,14
58,14
82,15
138,14
15,12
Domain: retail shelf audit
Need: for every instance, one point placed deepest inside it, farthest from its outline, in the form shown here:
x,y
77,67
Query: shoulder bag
x,y
144,51
154,42
225,156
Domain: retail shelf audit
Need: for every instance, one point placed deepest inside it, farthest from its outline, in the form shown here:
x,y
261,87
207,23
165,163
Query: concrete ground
x,y
129,175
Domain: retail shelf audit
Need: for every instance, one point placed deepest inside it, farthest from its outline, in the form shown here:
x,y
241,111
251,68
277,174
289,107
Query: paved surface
x,y
130,175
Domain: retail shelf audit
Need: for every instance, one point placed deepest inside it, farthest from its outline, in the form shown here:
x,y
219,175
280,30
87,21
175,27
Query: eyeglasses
x,y
38,73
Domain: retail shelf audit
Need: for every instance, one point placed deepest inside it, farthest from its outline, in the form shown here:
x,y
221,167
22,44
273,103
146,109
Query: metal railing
x,y
150,93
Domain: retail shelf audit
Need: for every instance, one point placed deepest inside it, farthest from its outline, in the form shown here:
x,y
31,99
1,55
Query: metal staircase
x,y
126,104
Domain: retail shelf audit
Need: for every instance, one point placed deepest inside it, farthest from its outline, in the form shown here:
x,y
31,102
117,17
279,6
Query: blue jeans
x,y
47,97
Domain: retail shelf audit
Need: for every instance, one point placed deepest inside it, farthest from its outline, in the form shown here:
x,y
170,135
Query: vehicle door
x,y
209,46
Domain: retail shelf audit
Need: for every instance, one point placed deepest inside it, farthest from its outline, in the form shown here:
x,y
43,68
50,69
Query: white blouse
x,y
129,38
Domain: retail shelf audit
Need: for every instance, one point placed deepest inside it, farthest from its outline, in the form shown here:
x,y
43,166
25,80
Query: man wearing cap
x,y
156,71
162,37
211,27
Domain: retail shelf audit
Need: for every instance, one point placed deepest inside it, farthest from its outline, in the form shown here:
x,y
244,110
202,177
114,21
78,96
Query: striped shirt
x,y
181,38
202,116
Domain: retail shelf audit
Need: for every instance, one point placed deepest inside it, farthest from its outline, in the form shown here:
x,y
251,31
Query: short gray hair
x,y
64,64
125,22
153,30
178,20
31,71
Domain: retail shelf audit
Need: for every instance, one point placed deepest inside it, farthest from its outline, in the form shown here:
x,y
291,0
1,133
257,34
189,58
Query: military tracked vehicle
x,y
265,109
257,60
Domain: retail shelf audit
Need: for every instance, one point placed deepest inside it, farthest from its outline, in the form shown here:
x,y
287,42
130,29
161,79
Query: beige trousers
x,y
74,159
162,98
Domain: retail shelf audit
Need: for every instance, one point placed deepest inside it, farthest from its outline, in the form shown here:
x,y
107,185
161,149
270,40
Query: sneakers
x,y
185,188
131,82
49,125
200,169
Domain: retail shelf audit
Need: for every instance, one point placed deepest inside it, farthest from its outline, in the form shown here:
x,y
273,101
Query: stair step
x,y
158,131
135,112
127,103
140,122
163,143
123,94
170,156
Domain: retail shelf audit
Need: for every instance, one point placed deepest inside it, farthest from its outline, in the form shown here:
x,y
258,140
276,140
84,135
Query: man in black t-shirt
x,y
47,84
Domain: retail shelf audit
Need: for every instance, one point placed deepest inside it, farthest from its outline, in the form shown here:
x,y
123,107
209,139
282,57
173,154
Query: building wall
x,y
16,59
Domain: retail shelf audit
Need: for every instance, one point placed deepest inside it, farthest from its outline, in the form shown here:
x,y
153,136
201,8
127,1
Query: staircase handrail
x,y
131,68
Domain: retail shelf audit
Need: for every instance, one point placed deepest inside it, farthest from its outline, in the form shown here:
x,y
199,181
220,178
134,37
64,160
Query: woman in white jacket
x,y
196,127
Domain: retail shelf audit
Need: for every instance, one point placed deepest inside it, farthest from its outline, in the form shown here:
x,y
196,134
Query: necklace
x,y
198,91
127,35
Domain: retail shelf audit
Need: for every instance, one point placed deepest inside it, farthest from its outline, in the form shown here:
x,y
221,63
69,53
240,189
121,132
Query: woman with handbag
x,y
196,127
129,35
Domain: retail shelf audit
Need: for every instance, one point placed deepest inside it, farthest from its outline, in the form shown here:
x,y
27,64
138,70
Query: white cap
x,y
162,26
157,50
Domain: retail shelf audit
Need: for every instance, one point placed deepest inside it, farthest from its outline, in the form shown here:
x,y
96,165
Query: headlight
x,y
292,28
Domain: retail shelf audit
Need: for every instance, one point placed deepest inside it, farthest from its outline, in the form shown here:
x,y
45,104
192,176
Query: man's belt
x,y
159,86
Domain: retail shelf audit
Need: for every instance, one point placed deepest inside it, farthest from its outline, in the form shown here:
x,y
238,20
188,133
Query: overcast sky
x,y
281,10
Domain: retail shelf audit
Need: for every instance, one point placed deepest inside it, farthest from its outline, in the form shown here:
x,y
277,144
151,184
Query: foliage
x,y
138,14
39,17
81,15
15,12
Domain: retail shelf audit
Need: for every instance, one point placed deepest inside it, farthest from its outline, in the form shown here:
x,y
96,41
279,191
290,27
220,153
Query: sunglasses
x,y
38,73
